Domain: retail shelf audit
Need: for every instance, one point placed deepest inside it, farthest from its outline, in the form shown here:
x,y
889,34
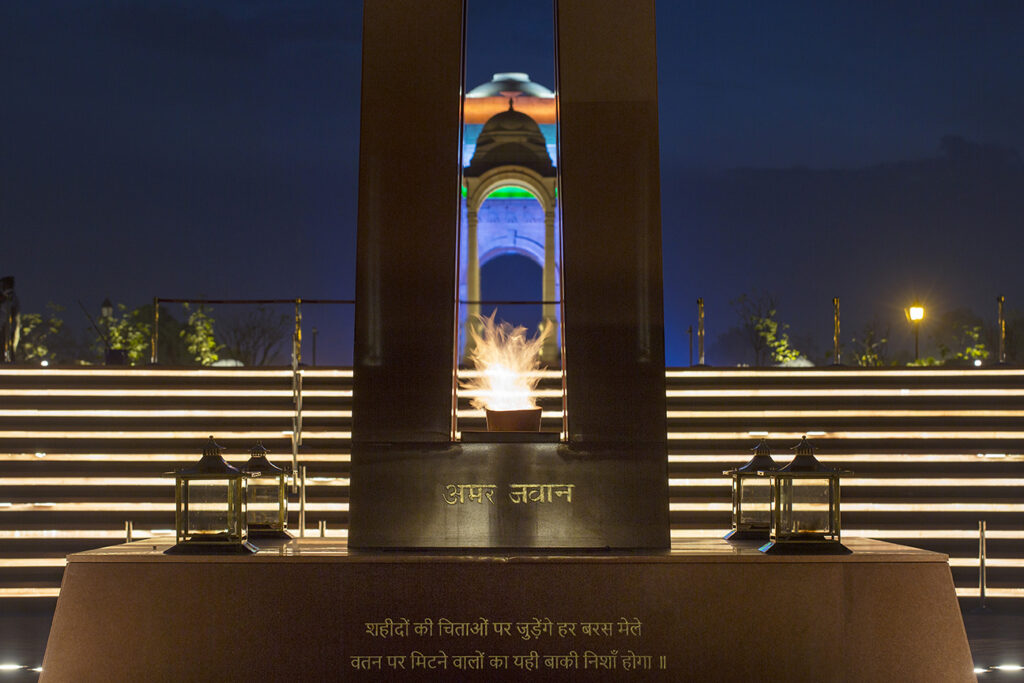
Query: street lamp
x,y
106,309
915,314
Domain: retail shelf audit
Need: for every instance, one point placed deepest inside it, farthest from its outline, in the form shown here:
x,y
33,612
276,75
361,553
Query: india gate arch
x,y
511,152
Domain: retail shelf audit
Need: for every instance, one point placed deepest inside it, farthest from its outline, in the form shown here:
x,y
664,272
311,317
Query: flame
x,y
507,363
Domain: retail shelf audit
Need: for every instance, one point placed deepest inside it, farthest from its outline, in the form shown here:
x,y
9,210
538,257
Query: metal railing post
x,y
1002,330
302,503
982,570
700,331
835,331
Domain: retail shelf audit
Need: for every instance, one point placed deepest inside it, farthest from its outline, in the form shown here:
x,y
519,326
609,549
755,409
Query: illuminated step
x,y
32,562
872,435
864,392
29,593
316,373
158,457
867,481
944,508
990,592
204,414
850,457
136,481
85,506
678,373
989,562
881,534
202,434
252,393
838,413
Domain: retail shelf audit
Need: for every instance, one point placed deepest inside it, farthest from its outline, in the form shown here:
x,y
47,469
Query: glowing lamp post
x,y
266,499
751,497
209,507
915,314
805,507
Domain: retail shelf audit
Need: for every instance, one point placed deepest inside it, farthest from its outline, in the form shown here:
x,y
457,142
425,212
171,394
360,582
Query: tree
x,y
767,337
959,336
870,350
128,331
257,337
197,333
45,337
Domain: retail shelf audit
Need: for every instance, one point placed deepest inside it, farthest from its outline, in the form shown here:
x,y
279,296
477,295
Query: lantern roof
x,y
761,462
804,461
211,466
257,464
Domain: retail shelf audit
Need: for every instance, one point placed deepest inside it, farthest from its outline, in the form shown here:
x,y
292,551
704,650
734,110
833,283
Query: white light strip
x,y
462,414
818,393
135,481
944,508
120,506
845,374
989,562
852,457
204,434
177,413
866,481
140,372
29,592
990,592
32,561
876,436
154,457
820,414
179,393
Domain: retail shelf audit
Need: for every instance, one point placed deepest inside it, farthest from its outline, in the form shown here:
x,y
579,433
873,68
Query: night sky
x,y
196,148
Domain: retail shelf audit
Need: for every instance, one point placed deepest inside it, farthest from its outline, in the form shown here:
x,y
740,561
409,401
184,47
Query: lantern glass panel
x,y
755,500
804,506
266,502
210,502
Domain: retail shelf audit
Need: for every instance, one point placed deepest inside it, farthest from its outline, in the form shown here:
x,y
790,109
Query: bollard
x,y
323,528
128,531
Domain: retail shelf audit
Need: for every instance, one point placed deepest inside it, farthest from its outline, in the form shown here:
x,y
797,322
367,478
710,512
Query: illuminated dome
x,y
511,138
510,84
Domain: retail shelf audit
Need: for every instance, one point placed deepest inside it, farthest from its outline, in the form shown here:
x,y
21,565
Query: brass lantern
x,y
266,499
209,507
805,506
751,497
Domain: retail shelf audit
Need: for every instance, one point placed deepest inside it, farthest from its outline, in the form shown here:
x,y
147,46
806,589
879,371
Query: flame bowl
x,y
513,420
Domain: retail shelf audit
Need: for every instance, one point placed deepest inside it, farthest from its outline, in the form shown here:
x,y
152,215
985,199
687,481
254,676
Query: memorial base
x,y
707,610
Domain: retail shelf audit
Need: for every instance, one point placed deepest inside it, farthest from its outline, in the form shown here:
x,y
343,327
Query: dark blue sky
x,y
192,148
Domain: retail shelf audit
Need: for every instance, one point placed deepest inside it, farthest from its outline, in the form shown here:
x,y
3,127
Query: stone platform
x,y
309,609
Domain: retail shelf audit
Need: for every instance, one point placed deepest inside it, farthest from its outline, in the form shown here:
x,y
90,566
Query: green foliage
x,y
767,336
197,333
38,334
959,336
870,349
128,331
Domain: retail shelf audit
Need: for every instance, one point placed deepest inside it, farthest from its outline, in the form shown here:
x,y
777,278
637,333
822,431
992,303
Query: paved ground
x,y
996,637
